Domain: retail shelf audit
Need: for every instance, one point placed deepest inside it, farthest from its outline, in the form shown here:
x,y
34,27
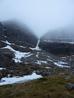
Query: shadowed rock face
x,y
58,48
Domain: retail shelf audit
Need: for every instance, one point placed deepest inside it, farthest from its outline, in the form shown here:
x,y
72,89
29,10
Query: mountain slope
x,y
59,42
21,54
15,33
22,60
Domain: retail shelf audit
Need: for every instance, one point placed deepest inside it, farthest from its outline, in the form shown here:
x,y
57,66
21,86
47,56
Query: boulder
x,y
70,86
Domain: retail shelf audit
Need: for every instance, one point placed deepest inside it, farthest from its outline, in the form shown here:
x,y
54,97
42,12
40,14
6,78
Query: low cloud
x,y
40,15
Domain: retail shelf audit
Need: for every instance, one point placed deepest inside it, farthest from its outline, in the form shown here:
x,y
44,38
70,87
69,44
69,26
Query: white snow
x,y
44,62
18,54
12,80
37,46
7,42
22,47
9,47
41,62
61,64
38,62
2,68
37,55
47,67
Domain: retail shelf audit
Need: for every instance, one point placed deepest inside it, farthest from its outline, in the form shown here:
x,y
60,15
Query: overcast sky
x,y
40,15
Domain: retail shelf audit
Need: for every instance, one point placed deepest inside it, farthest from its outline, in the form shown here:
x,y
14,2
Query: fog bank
x,y
40,15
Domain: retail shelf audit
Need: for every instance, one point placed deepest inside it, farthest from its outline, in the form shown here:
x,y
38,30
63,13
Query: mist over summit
x,y
65,34
40,15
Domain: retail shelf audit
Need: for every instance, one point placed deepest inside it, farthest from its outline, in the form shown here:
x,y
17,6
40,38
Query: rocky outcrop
x,y
58,48
6,58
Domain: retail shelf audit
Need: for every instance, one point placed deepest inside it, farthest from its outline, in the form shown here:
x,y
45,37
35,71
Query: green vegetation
x,y
47,87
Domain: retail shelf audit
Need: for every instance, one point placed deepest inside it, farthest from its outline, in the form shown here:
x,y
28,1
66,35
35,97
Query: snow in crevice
x,y
22,46
6,42
39,62
1,68
37,46
12,80
8,47
61,64
18,55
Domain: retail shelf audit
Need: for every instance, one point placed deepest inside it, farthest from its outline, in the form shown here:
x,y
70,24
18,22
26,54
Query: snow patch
x,y
22,46
61,64
18,55
6,42
9,47
41,62
2,68
47,67
12,80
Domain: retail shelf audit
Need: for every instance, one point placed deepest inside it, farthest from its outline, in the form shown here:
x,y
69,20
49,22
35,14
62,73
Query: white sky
x,y
40,15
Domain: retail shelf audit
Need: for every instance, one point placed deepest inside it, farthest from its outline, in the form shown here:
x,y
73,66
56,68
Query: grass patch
x,y
48,87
